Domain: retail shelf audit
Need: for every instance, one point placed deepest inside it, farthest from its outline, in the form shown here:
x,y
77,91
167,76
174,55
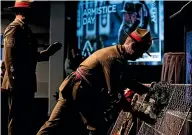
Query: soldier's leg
x,y
52,125
28,114
4,112
63,118
13,124
12,114
20,113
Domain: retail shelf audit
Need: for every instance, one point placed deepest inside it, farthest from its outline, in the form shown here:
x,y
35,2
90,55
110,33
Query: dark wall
x,y
70,23
174,28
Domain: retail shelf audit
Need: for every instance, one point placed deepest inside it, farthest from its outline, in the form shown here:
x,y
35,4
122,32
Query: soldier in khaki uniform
x,y
86,93
21,56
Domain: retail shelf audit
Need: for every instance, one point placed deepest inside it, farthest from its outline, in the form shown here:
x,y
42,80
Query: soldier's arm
x,y
51,50
134,85
42,56
146,16
133,26
137,86
107,74
125,30
9,46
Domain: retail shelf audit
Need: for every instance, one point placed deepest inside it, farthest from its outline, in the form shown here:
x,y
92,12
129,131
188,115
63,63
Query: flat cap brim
x,y
19,7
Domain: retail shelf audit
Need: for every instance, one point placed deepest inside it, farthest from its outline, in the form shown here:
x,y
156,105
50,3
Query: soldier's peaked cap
x,y
142,36
22,4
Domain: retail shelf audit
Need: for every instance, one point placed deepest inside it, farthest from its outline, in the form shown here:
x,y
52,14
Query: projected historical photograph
x,y
105,23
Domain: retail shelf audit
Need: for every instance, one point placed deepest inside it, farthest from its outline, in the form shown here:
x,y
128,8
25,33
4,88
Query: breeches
x,y
64,120
20,121
4,112
74,110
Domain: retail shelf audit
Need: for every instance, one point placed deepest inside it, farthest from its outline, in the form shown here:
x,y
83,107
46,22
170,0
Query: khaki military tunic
x,y
107,68
20,56
105,75
88,92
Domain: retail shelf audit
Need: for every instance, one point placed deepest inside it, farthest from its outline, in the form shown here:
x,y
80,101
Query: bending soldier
x,y
86,93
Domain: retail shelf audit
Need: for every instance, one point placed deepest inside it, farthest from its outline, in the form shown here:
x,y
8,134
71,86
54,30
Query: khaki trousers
x,y
64,120
20,121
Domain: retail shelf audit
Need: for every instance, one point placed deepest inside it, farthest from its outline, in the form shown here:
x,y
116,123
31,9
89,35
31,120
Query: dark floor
x,y
41,109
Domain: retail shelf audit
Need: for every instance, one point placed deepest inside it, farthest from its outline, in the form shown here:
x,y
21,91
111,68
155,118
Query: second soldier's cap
x,y
128,7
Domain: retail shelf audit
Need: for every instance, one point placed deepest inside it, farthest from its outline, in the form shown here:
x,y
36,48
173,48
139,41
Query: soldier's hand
x,y
53,48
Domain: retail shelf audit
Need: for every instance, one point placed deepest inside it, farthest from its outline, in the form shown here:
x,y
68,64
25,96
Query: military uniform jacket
x,y
20,56
106,68
106,72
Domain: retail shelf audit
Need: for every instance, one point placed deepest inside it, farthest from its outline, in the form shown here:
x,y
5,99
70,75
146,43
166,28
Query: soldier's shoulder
x,y
12,27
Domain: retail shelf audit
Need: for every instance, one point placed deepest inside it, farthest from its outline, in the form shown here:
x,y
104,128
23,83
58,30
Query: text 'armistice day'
x,y
89,14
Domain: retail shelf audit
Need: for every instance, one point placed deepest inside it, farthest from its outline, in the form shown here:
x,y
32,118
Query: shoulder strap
x,y
15,24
